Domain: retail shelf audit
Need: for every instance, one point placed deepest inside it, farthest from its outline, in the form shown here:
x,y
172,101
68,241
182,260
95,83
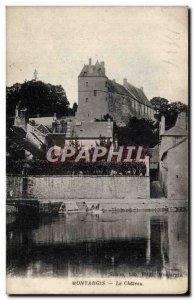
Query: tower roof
x,y
93,70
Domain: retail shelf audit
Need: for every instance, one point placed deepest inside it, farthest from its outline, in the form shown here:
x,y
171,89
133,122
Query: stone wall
x,y
92,98
100,188
174,172
177,161
120,108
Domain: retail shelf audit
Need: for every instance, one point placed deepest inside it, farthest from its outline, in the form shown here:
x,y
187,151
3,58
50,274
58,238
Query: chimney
x,y
141,88
90,62
102,64
162,125
125,82
68,132
114,80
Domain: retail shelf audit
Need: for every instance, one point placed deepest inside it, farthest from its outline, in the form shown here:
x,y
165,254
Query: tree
x,y
169,110
138,132
37,97
105,118
159,103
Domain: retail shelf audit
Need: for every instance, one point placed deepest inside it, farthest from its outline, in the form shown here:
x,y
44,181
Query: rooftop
x,y
127,89
91,129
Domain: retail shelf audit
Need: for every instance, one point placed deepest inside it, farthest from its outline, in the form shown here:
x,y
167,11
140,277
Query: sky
x,y
146,45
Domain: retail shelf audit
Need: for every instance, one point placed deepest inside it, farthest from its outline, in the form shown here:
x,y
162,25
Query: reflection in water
x,y
111,244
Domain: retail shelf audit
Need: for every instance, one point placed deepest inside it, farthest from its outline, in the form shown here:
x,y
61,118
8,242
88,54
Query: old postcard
x,y
97,150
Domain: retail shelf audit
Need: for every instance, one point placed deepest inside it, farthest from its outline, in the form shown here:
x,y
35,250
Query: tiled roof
x,y
138,94
174,146
131,91
93,70
128,90
117,88
175,131
91,129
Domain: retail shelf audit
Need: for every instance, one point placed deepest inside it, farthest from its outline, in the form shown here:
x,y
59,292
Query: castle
x,y
98,96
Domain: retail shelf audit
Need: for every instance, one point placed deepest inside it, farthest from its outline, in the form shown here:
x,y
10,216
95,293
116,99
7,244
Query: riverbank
x,y
126,205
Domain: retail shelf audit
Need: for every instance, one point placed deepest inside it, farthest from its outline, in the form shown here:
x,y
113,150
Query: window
x,y
86,99
95,92
106,98
85,73
106,83
86,83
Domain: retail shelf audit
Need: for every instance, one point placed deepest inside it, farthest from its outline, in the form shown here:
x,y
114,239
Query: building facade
x,y
173,153
98,96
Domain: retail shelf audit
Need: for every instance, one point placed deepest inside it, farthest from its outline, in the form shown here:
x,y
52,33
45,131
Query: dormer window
x,y
95,92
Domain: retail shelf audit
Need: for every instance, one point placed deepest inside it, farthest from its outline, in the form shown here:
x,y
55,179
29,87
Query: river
x,y
142,244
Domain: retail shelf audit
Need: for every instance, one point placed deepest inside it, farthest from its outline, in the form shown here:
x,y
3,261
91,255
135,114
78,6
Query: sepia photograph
x,y
97,135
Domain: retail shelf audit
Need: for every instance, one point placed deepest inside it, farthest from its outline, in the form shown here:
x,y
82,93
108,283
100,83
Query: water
x,y
120,244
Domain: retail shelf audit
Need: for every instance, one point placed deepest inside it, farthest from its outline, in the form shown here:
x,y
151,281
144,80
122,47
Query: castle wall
x,y
98,96
121,108
93,98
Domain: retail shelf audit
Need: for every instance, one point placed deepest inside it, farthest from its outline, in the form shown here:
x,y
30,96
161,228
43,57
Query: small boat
x,y
69,208
95,210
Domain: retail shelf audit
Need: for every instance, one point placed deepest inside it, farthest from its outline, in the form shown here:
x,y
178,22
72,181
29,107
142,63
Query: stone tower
x,y
92,92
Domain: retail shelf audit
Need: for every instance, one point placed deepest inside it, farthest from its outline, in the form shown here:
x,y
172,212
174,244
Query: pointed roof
x,y
131,91
97,64
92,130
117,88
128,89
138,94
180,128
96,70
174,146
177,131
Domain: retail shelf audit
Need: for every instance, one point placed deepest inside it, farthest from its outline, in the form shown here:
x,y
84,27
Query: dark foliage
x,y
38,97
138,132
43,167
169,110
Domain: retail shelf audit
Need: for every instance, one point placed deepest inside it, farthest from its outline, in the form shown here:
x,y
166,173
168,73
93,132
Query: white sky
x,y
148,46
